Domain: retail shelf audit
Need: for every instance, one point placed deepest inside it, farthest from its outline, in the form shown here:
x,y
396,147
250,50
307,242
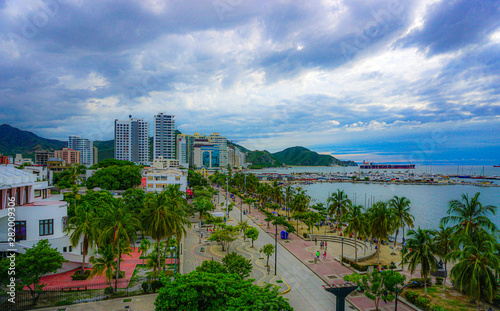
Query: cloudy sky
x,y
389,80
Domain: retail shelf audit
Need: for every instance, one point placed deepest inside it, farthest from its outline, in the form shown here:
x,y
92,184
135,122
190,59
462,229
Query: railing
x,y
58,296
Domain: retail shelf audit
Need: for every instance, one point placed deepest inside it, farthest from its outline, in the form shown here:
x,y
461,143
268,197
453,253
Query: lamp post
x,y
227,193
175,260
276,246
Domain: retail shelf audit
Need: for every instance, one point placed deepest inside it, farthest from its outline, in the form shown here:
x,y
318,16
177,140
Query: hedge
x,y
439,280
78,276
359,267
422,302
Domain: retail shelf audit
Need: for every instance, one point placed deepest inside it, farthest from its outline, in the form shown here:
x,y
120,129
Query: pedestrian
x,y
324,255
315,241
325,245
317,255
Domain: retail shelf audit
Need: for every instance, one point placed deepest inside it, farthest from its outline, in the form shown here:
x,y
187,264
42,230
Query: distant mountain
x,y
105,149
245,150
304,157
261,159
13,140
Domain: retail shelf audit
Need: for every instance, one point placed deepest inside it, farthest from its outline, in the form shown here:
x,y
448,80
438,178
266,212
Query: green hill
x,y
301,156
13,140
105,149
261,159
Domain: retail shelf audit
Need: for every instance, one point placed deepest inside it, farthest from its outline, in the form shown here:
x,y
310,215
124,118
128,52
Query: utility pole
x,y
227,193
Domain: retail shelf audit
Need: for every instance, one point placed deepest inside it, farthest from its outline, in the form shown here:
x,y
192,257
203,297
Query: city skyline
x,y
402,81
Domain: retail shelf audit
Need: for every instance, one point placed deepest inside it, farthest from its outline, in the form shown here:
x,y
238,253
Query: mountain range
x,y
13,140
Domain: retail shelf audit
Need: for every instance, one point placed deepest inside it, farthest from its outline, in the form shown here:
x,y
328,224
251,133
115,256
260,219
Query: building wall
x,y
84,146
132,140
182,150
70,156
158,180
221,143
164,136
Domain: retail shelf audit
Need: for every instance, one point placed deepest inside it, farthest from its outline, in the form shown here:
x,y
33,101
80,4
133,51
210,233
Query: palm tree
x,y
145,244
201,206
276,193
469,215
337,205
289,192
164,216
401,210
82,225
419,250
444,245
355,219
118,226
380,223
474,273
105,263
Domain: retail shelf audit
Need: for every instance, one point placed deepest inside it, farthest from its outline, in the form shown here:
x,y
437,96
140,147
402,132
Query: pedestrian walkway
x,y
329,270
135,303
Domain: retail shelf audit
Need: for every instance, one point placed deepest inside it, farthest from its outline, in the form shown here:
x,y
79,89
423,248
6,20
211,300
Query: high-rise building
x,y
85,146
182,150
70,156
220,142
132,140
164,136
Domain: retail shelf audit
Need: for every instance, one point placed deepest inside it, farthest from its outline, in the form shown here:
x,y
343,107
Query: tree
x,y
378,285
237,264
104,263
225,235
444,244
32,265
477,263
202,205
134,200
312,219
402,217
212,266
217,291
82,225
115,178
338,203
469,215
381,223
144,247
163,216
252,233
111,162
355,219
268,250
196,179
419,250
117,225
242,226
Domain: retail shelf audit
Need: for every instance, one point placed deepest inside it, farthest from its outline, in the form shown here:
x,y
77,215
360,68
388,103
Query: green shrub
x,y
63,302
305,235
109,290
411,296
420,282
438,308
439,280
155,285
77,276
145,286
423,303
169,273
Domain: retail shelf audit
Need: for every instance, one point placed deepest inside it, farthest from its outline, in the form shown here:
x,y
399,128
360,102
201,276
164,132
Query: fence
x,y
58,296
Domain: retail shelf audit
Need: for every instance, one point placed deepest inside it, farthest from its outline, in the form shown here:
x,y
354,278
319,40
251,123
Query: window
x,y
65,249
70,248
20,230
46,227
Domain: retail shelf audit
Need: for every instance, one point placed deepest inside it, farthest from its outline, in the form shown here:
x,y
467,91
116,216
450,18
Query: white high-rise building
x,y
221,143
164,136
86,148
132,140
182,150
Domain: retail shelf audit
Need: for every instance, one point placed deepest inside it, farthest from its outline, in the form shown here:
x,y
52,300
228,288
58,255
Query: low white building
x,y
160,163
37,216
158,179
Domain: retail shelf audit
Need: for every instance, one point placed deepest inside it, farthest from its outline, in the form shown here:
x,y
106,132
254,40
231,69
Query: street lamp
x,y
276,246
398,291
175,260
342,257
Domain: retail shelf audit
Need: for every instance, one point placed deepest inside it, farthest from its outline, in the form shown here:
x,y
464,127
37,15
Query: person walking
x,y
315,241
317,257
324,255
325,244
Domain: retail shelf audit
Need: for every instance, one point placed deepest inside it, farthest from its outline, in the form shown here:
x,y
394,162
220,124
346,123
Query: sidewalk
x,y
329,270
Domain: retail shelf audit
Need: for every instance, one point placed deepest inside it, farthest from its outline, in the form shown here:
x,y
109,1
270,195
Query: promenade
x,y
306,278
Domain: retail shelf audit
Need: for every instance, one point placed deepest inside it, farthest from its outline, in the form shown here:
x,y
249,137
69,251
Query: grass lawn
x,y
451,299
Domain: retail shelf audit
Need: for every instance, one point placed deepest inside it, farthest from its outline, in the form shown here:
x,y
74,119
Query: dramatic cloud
x,y
364,80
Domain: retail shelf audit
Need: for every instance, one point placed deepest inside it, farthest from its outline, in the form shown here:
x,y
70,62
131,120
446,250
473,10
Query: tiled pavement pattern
x,y
305,277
